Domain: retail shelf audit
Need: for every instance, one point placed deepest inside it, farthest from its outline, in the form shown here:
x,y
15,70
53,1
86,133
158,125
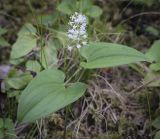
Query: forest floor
x,y
118,104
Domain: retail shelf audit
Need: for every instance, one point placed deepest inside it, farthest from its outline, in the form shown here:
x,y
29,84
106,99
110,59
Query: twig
x,y
140,14
145,84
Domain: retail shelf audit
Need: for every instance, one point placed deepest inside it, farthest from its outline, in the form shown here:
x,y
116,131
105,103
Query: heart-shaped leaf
x,y
155,66
33,65
19,80
85,5
67,6
94,11
154,52
3,42
7,129
101,55
156,123
25,42
2,31
46,94
23,46
49,55
152,79
157,136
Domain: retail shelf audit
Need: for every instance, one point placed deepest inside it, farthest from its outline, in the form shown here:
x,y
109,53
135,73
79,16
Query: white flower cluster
x,y
77,30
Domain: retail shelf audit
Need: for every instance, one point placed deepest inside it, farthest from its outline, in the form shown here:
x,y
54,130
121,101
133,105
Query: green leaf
x,y
1,123
154,52
11,94
152,79
33,65
94,11
47,94
19,81
1,134
157,136
67,6
85,5
3,42
8,124
61,36
156,123
101,55
155,66
1,128
48,19
152,30
23,46
27,29
2,31
49,55
9,128
146,2
16,61
25,43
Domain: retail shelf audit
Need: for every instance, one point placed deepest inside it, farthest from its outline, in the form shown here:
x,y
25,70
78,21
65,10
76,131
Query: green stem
x,y
65,122
149,111
76,72
32,132
34,16
65,60
45,59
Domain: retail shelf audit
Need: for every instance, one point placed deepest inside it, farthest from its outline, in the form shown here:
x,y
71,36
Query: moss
x,y
125,125
110,136
148,97
59,135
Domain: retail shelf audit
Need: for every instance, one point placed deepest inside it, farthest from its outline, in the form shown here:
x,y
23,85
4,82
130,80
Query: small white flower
x,y
74,26
77,30
70,36
78,46
70,48
82,32
84,43
84,36
70,23
83,28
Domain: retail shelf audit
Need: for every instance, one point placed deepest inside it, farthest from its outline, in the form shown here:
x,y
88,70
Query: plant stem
x,y
65,123
149,111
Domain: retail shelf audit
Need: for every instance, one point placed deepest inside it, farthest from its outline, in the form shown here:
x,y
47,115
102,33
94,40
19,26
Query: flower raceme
x,y
77,30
